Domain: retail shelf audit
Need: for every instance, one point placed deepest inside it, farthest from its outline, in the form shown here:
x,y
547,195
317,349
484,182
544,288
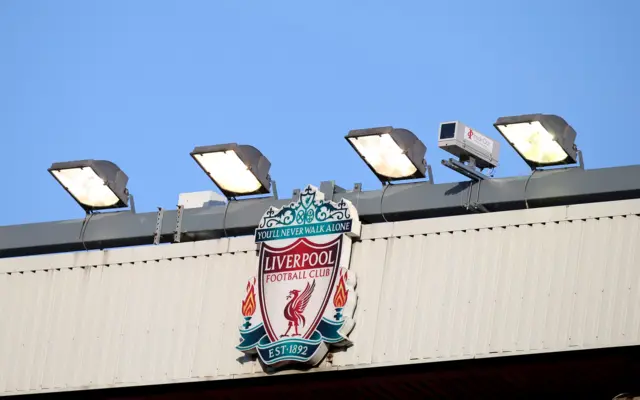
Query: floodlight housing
x,y
392,154
237,170
542,140
94,184
467,143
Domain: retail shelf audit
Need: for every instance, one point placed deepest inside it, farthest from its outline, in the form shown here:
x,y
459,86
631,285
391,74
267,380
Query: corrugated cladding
x,y
483,285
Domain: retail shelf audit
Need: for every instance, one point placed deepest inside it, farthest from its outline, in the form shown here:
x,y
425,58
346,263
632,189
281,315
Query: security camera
x,y
469,145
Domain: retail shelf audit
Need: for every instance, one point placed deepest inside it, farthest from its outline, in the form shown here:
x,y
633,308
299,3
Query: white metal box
x,y
200,199
464,142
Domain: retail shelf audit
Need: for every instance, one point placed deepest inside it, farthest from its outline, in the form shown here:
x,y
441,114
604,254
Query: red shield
x,y
295,283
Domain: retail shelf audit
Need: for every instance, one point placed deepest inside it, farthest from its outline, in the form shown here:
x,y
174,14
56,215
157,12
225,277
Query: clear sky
x,y
143,82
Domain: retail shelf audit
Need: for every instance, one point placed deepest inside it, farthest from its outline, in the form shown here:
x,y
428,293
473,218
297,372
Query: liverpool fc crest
x,y
303,298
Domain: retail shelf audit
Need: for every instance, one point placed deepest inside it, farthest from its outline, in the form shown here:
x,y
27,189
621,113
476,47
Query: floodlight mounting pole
x,y
580,159
274,188
430,174
132,204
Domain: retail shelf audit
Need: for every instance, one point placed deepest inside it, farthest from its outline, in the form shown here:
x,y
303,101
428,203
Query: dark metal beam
x,y
400,202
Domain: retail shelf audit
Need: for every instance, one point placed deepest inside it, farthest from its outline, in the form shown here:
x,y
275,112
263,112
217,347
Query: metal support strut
x,y
177,234
158,231
467,170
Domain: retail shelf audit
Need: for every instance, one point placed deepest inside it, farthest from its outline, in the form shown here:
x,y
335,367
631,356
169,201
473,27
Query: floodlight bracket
x,y
132,204
430,174
274,188
580,159
467,170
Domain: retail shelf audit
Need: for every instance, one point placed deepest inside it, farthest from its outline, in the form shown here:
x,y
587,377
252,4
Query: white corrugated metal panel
x,y
130,323
497,291
448,288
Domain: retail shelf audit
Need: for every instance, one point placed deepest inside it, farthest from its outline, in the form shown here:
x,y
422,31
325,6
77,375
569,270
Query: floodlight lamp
x,y
94,184
541,140
392,154
237,170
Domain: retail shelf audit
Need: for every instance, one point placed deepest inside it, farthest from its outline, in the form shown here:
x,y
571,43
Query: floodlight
x,y
237,170
392,154
94,184
469,145
541,140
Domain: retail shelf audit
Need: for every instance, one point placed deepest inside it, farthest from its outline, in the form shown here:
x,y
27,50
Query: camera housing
x,y
468,144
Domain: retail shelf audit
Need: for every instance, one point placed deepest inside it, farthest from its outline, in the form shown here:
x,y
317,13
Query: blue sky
x,y
143,82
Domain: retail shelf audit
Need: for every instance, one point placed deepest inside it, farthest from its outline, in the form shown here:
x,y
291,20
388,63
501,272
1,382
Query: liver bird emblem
x,y
294,309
